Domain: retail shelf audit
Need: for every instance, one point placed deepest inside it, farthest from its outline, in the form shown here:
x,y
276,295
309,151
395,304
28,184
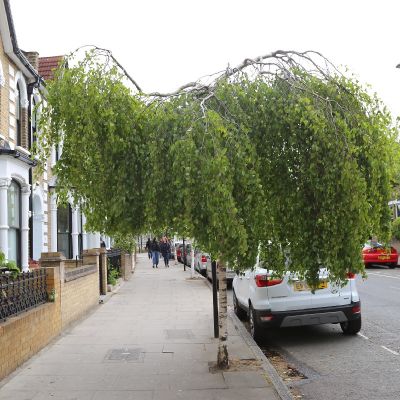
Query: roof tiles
x,y
47,65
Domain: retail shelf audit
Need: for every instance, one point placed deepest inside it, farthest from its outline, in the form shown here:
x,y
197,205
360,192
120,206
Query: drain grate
x,y
179,334
124,355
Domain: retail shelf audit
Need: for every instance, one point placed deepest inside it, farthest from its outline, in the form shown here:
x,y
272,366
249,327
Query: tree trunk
x,y
223,358
192,262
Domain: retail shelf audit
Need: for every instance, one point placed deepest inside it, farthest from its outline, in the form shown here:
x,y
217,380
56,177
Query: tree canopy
x,y
282,154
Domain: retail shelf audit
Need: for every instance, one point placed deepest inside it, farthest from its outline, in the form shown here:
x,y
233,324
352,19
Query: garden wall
x,y
74,290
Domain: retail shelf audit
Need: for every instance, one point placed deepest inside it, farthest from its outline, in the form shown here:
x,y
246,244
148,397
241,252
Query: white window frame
x,y
2,76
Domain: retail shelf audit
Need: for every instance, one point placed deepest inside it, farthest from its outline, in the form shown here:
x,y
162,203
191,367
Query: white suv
x,y
288,301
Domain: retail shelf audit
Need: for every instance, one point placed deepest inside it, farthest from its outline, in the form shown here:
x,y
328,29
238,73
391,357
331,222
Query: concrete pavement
x,y
153,339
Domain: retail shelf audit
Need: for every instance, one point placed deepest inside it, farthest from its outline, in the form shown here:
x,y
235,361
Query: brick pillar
x,y
126,266
54,265
91,256
103,271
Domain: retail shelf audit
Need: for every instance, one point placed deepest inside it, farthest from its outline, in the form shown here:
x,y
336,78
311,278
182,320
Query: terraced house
x,y
19,91
66,228
31,220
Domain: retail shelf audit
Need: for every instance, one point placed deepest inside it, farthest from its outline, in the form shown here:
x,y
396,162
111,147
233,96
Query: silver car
x,y
230,273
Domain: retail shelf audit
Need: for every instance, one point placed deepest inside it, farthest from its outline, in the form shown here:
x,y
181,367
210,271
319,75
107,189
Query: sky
x,y
164,44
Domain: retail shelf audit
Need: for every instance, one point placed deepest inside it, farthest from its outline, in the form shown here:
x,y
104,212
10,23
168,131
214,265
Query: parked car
x,y
179,248
375,253
288,301
201,261
230,273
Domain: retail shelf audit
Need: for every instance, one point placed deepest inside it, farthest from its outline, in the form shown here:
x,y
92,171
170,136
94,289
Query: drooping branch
x,y
282,63
108,54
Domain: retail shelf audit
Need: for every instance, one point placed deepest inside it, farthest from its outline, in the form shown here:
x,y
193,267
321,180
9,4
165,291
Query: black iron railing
x,y
114,259
21,293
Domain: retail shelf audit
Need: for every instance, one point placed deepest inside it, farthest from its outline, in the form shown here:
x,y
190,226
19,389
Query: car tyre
x,y
241,314
351,327
392,265
255,327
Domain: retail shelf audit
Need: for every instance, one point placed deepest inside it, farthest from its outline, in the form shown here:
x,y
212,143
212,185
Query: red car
x,y
376,253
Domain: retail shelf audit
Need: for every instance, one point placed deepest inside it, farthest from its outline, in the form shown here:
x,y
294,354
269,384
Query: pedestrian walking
x,y
148,247
155,251
165,251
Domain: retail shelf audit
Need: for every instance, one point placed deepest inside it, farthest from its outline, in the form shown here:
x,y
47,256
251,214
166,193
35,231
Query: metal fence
x,y
21,293
114,259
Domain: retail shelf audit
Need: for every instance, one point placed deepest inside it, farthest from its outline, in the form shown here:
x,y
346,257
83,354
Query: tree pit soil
x,y
237,364
286,371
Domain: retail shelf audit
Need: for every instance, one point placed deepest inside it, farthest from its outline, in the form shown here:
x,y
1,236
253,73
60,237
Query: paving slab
x,y
151,340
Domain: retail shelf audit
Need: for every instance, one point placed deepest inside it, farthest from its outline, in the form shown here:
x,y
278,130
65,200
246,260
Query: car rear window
x,y
375,245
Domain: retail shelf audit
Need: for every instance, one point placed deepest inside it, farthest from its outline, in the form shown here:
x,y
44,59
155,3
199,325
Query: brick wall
x,y
78,297
24,335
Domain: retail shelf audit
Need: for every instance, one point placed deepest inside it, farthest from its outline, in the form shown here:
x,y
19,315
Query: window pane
x,y
63,244
17,102
13,205
13,245
64,241
63,220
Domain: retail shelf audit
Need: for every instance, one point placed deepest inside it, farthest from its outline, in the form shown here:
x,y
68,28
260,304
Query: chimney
x,y
33,58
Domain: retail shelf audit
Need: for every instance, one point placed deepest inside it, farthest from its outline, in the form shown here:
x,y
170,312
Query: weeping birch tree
x,y
277,154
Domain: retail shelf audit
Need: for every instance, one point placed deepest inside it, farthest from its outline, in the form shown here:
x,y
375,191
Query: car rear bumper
x,y
230,275
315,316
374,259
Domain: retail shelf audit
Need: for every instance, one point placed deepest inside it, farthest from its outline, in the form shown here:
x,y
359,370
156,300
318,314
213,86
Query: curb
x,y
275,379
106,297
278,384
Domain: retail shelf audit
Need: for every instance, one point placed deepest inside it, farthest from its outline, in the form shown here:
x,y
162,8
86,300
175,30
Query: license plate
x,y
302,286
385,257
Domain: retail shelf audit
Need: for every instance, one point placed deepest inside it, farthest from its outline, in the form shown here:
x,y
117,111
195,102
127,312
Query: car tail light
x,y
264,281
203,259
351,275
356,309
267,318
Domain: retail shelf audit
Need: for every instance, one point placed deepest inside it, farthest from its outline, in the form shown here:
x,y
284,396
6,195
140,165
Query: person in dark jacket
x,y
148,247
155,251
165,250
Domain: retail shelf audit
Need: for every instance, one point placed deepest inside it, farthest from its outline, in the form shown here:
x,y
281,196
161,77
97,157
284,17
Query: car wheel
x,y
241,314
351,327
392,265
255,327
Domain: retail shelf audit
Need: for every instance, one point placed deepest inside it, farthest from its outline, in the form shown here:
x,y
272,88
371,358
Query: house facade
x,y
31,219
19,84
66,222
